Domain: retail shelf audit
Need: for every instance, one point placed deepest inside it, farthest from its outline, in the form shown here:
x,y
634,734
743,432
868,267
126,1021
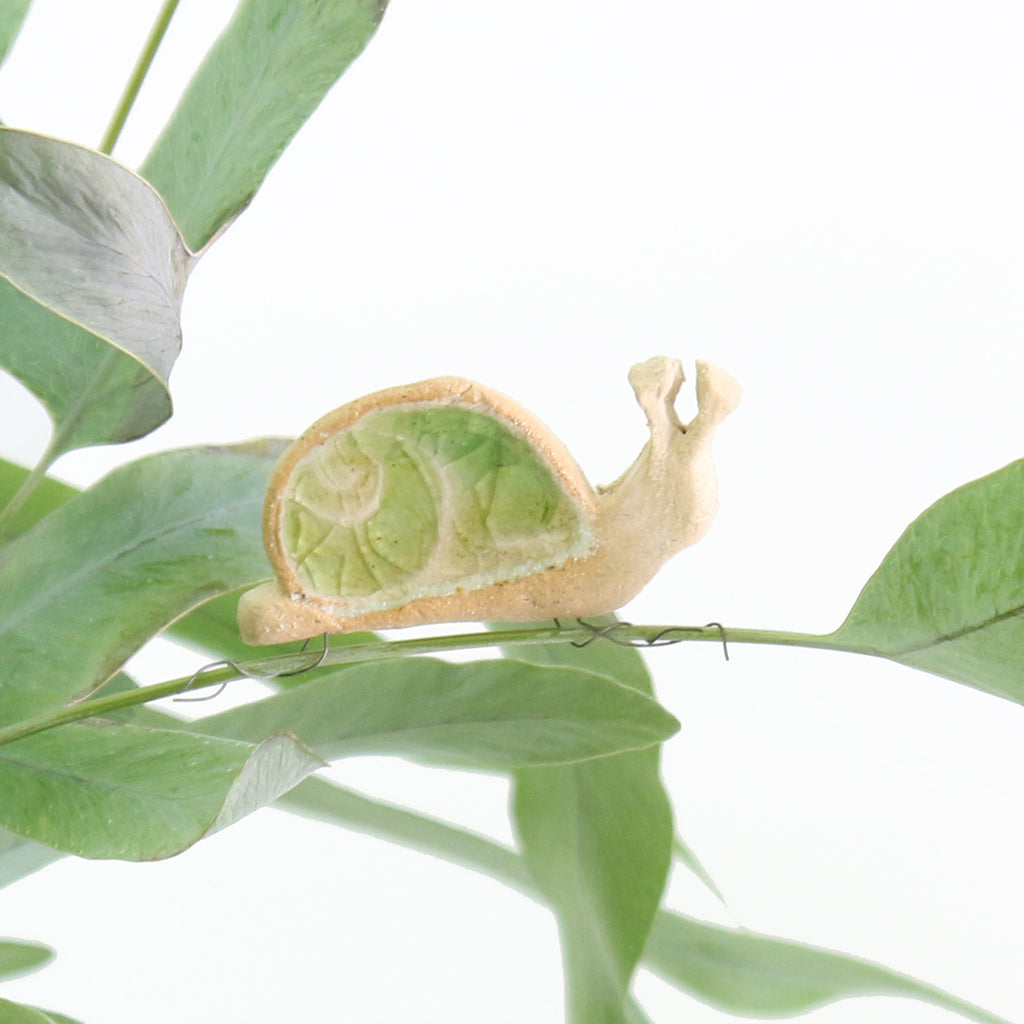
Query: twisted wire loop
x,y
193,679
243,671
664,638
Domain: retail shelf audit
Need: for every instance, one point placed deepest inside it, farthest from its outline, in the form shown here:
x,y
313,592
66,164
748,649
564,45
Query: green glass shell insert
x,y
424,500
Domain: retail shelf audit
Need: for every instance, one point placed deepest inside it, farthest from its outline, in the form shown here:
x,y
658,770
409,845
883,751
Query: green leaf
x,y
47,496
327,802
18,958
92,270
736,970
211,628
949,596
12,14
689,859
131,793
20,857
747,974
482,714
82,591
597,838
262,79
16,1013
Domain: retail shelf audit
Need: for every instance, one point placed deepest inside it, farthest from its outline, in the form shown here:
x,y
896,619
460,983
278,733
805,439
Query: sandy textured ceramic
x,y
444,501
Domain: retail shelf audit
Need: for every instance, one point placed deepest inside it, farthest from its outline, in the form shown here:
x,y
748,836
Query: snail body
x,y
444,501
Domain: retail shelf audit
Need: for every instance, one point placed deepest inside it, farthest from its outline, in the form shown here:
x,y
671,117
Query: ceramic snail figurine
x,y
444,501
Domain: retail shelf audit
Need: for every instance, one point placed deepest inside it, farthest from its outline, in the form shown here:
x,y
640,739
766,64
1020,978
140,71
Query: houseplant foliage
x,y
94,260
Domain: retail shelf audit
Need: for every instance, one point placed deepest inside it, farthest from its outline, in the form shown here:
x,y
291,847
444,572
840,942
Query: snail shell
x,y
445,501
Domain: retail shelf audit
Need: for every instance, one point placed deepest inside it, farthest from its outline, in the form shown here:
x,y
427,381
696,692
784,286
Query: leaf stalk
x,y
138,75
28,486
382,650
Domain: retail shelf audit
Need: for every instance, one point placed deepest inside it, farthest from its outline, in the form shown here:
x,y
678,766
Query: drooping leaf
x,y
262,79
738,971
949,596
131,793
597,838
483,714
92,270
754,975
333,804
12,14
18,958
327,802
17,1013
88,585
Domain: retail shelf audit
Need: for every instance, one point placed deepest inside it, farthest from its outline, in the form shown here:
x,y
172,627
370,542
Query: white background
x,y
824,198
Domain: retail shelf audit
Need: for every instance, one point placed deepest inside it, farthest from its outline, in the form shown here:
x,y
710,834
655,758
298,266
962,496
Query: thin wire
x,y
308,668
721,633
242,672
195,676
664,638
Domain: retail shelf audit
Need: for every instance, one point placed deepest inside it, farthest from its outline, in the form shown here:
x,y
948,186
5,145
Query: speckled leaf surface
x,y
949,596
132,793
89,584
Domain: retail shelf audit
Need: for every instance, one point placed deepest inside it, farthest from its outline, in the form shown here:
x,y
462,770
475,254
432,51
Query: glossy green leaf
x,y
597,839
949,596
131,793
747,974
482,714
86,587
18,958
12,14
16,1013
262,79
92,270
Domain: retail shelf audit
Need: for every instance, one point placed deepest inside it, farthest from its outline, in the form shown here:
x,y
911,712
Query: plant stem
x,y
382,650
142,65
